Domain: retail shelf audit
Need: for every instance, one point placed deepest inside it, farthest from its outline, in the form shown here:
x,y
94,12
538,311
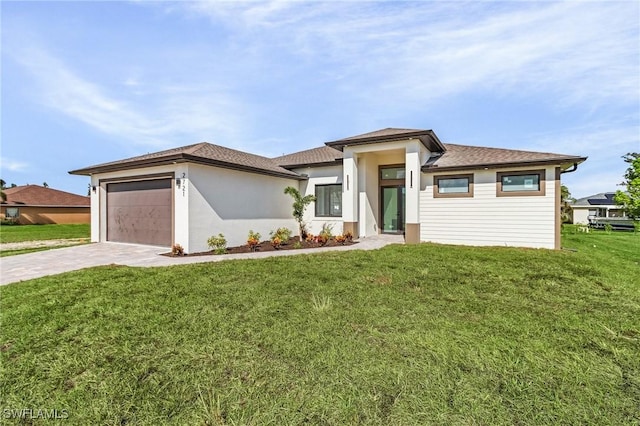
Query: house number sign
x,y
184,184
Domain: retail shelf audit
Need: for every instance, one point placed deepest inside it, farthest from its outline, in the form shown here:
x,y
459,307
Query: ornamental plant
x,y
348,235
253,240
177,250
300,204
218,244
341,239
281,233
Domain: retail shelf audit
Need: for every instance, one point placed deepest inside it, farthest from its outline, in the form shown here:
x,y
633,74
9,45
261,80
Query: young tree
x,y
565,208
300,203
630,200
3,196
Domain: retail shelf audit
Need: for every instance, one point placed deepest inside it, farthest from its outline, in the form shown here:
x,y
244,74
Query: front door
x,y
393,209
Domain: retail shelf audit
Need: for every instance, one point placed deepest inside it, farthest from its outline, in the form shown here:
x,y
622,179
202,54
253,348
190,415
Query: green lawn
x,y
19,233
426,334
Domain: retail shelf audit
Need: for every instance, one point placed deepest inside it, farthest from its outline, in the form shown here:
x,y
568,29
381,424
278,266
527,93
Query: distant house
x,y
34,204
596,206
390,181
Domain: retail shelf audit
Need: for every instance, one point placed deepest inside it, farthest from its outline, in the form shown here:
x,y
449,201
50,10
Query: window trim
x,y
436,184
541,180
316,204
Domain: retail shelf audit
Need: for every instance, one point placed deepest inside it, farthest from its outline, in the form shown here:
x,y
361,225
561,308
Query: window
x,y
453,186
12,213
388,173
329,200
529,182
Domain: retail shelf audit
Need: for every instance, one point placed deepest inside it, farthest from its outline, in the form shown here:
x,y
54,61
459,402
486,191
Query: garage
x,y
140,212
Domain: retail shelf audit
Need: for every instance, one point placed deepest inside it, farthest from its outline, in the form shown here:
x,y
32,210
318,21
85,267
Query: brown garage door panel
x,y
140,212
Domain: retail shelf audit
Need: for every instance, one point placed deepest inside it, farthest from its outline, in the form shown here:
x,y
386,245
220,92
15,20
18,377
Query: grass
x,y
426,334
20,233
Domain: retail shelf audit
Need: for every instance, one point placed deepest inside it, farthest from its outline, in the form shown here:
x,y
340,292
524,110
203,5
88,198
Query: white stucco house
x,y
401,181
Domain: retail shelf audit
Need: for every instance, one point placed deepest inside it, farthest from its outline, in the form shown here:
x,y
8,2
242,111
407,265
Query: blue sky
x,y
90,82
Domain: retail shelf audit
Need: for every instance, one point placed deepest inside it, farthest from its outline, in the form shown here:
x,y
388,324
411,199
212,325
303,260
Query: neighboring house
x,y
399,181
596,206
34,204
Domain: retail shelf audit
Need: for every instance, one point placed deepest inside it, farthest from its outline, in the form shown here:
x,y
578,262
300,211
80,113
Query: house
x,y
596,206
397,181
34,204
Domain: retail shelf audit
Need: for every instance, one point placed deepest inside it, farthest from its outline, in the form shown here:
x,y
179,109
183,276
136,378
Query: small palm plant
x,y
300,203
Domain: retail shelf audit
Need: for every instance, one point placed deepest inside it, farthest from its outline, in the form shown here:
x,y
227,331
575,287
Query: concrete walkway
x,y
39,264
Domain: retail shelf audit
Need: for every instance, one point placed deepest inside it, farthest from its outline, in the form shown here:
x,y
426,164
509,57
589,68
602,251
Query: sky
x,y
90,82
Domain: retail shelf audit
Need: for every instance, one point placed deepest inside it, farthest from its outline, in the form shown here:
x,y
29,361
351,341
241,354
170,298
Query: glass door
x,y
393,209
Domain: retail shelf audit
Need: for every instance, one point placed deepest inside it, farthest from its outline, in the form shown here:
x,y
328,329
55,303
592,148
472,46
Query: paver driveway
x,y
39,264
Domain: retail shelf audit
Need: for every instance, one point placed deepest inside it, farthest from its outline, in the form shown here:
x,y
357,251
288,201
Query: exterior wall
x,y
319,176
488,220
232,202
34,215
581,216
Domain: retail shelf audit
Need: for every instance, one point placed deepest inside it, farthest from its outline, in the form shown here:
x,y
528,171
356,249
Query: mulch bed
x,y
267,246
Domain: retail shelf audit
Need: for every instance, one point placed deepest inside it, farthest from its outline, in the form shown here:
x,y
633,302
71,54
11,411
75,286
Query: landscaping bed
x,y
292,243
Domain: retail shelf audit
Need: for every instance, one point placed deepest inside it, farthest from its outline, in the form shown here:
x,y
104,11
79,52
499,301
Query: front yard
x,y
426,334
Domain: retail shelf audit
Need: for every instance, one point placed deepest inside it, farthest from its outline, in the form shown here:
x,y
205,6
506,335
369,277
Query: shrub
x,y
218,244
341,239
253,239
636,226
325,234
348,235
310,238
608,228
297,245
177,250
281,234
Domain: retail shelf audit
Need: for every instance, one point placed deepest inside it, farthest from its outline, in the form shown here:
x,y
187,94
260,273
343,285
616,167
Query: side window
x,y
528,182
453,186
329,200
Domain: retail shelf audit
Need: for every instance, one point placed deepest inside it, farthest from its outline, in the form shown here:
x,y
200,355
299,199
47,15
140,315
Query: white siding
x,y
485,219
233,202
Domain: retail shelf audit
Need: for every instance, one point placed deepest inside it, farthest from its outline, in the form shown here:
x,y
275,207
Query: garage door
x,y
140,212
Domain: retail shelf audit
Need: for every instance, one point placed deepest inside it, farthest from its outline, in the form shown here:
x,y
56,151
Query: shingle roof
x,y
35,195
461,157
315,156
602,199
427,137
205,153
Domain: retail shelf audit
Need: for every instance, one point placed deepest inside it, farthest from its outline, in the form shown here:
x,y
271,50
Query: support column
x,y
412,193
350,192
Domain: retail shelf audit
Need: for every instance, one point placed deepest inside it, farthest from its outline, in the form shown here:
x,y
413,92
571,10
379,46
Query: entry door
x,y
393,209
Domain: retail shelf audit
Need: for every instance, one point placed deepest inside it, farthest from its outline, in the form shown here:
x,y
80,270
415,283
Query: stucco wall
x,y
47,215
485,219
581,215
232,203
320,176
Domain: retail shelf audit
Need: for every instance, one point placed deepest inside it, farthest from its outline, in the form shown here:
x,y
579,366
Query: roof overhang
x,y
427,137
562,162
179,158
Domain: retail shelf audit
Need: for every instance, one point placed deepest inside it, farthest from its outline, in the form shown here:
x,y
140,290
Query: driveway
x,y
39,264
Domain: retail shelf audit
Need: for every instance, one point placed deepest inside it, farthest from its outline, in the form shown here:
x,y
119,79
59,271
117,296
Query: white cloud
x,y
11,165
167,115
579,52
